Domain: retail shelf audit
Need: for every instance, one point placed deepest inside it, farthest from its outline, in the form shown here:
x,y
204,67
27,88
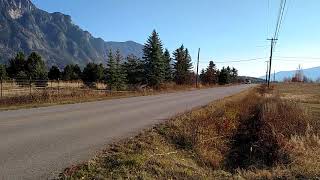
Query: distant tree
x,y
202,76
134,69
93,73
71,72
77,74
3,72
36,68
16,65
234,75
182,66
224,77
54,73
210,76
168,67
111,71
154,62
121,75
115,72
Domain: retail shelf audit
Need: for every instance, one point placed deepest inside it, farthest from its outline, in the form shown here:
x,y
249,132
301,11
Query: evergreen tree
x,y
17,66
35,67
71,72
115,73
202,76
228,74
77,74
111,71
182,66
54,73
224,76
234,74
154,63
93,73
168,68
134,69
3,72
121,76
210,76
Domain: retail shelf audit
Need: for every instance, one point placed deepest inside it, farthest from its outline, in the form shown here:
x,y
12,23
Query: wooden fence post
x,y
1,87
58,86
30,85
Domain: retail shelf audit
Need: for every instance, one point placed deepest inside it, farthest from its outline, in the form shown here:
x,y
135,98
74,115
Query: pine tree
x,y
3,72
111,71
92,73
154,63
202,76
115,73
211,74
234,74
36,68
54,73
134,69
182,66
224,76
17,66
71,72
168,69
120,72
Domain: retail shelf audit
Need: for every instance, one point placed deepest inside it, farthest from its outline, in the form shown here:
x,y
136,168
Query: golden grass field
x,y
16,97
257,134
306,94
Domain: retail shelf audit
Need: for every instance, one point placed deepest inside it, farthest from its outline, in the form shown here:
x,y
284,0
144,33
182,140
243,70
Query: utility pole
x,y
267,72
197,77
270,63
274,76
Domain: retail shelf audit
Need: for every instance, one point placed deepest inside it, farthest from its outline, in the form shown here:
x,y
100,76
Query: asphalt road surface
x,y
39,143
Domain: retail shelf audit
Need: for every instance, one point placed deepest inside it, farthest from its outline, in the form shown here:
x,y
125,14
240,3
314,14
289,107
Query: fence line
x,y
23,87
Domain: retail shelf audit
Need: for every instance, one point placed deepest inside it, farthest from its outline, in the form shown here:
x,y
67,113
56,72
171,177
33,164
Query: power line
x,y
276,34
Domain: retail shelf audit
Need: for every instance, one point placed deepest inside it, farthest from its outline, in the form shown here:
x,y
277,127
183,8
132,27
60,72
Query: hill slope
x,y
24,27
312,73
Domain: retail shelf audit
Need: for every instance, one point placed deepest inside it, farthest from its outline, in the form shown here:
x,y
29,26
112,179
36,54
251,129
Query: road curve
x,y
39,143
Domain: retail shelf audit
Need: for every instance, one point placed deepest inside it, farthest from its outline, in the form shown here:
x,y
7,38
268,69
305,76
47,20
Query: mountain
x,y
311,73
24,27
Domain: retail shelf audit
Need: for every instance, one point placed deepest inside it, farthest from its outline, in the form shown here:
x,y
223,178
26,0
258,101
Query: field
x,y
258,134
23,95
306,94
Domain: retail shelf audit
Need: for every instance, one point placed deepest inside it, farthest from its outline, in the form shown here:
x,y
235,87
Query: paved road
x,y
39,143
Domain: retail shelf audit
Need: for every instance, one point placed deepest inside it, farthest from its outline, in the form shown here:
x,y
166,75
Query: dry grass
x,y
248,136
75,92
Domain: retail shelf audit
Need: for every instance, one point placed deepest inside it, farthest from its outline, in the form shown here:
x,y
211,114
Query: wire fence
x,y
24,87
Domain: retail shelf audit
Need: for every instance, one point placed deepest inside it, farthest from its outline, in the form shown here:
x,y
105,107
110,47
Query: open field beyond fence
x,y
26,94
13,88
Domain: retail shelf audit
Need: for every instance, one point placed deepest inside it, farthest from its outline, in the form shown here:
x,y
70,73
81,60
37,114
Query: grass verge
x,y
252,135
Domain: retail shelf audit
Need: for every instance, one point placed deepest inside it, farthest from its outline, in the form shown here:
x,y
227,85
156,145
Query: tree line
x,y
156,67
212,75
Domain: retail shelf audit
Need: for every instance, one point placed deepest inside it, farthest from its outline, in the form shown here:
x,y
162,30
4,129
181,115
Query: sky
x,y
225,30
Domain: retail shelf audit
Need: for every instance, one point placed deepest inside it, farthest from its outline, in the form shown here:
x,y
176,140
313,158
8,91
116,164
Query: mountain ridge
x,y
311,73
24,27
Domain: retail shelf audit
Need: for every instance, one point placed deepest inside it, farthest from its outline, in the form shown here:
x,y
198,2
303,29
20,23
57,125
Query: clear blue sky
x,y
224,29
